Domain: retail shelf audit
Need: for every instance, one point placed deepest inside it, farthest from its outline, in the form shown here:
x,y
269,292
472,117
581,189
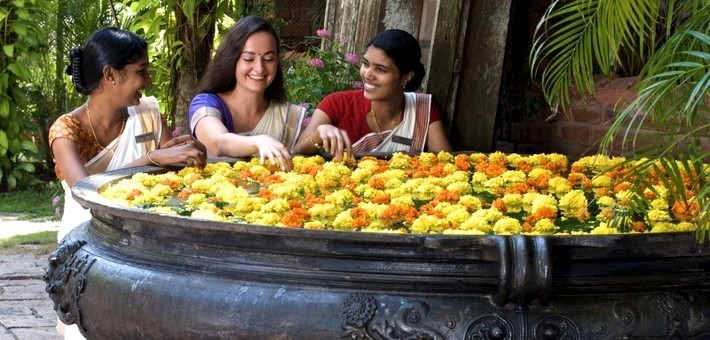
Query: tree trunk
x,y
197,35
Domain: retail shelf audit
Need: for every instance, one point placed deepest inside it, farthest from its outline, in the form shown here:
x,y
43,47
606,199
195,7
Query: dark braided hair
x,y
106,47
406,53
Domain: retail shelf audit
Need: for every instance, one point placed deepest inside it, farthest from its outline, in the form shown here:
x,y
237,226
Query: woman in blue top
x,y
241,109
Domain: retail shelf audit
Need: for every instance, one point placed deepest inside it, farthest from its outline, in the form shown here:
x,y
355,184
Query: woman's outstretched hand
x,y
182,149
335,141
275,152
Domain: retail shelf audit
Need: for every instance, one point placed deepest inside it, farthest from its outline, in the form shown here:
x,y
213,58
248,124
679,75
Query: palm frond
x,y
576,39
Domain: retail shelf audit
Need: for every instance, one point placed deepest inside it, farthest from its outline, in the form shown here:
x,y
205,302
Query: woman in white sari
x,y
240,108
116,127
386,115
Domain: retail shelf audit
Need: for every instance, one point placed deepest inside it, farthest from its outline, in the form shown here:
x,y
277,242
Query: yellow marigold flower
x,y
513,202
474,223
513,158
537,172
264,218
456,214
343,221
196,198
685,226
572,202
498,157
605,201
660,204
230,193
369,193
427,224
207,214
528,199
445,157
323,211
405,200
494,183
478,179
146,179
544,201
238,166
545,226
393,183
400,161
244,206
513,177
656,215
278,205
507,226
361,175
490,215
454,231
383,231
474,157
163,210
220,168
377,224
663,227
603,229
427,158
461,188
471,202
340,198
315,225
559,185
427,191
602,181
374,210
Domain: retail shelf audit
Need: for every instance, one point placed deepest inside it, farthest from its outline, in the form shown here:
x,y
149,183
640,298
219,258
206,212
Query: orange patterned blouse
x,y
68,126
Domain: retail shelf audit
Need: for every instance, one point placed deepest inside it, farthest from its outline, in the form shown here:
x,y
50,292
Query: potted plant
x,y
669,42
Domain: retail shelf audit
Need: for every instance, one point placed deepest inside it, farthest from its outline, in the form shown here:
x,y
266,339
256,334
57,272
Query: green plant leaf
x,y
9,50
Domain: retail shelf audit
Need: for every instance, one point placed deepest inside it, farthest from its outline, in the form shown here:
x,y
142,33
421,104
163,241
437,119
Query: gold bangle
x,y
151,159
318,146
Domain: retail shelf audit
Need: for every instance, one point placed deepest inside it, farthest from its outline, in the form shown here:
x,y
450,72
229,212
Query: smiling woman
x,y
386,115
240,108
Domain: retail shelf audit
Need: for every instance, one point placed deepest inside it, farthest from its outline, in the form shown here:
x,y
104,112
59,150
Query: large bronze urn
x,y
132,274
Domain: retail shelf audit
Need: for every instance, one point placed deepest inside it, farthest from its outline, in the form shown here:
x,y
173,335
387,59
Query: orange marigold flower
x,y
527,227
582,214
524,166
448,196
383,198
638,226
545,212
684,211
267,194
462,162
295,218
518,188
377,183
499,205
184,194
131,195
621,187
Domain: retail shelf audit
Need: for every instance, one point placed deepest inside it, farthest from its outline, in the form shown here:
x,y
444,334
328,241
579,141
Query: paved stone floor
x,y
26,311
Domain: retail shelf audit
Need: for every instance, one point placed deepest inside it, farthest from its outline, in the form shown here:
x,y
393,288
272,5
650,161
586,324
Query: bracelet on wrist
x,y
151,159
318,146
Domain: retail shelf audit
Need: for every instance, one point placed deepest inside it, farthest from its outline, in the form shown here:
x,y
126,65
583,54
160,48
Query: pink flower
x,y
358,85
322,32
342,38
352,58
58,211
317,62
176,132
55,200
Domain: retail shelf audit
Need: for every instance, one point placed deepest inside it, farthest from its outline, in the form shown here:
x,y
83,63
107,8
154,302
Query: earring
x,y
113,82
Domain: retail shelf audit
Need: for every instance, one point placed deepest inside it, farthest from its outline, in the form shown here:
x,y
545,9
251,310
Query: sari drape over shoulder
x,y
409,136
140,135
282,121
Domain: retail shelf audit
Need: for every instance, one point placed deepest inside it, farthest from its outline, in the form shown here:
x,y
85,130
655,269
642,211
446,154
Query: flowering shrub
x,y
474,194
324,70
